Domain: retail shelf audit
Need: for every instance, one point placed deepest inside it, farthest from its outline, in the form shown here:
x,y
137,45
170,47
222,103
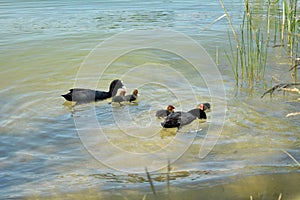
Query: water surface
x,y
43,45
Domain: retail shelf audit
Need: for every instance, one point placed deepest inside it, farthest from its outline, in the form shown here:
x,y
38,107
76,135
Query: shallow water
x,y
48,147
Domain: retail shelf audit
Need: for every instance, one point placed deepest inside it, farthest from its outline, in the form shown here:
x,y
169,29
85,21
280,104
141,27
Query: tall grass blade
x,y
150,181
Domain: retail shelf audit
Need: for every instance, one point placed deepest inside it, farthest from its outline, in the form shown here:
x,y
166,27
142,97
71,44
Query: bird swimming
x,y
179,118
132,97
80,95
164,113
119,98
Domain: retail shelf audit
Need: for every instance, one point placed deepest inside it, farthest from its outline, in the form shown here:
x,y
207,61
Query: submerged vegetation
x,y
263,23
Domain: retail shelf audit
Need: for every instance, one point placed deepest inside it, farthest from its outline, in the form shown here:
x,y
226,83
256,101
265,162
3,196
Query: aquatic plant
x,y
150,181
249,59
248,52
290,33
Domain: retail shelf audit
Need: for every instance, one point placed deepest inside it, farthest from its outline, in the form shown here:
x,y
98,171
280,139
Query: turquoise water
x,y
44,44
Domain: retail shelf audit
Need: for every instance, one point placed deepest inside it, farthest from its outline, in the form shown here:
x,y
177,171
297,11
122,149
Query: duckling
x,y
164,113
132,97
120,98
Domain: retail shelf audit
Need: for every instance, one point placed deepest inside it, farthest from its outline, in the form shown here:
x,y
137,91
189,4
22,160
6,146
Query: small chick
x,y
165,113
132,97
120,98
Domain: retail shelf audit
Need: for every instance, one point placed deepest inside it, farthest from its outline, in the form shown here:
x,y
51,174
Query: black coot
x,y
86,95
165,113
132,97
178,119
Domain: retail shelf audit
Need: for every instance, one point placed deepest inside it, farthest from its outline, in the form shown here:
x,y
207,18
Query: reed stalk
x,y
249,50
249,59
217,56
230,22
291,27
168,176
150,181
283,21
287,153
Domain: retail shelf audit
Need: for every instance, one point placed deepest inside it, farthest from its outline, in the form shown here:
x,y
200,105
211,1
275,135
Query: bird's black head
x,y
114,86
206,106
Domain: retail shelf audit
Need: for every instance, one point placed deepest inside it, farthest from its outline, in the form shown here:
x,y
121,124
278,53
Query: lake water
x,y
51,149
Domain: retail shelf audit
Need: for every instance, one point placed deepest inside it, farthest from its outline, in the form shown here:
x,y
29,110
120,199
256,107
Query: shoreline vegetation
x,y
274,24
265,26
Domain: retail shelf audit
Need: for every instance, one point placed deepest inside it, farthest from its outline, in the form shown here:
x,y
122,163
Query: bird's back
x,y
198,113
162,113
79,95
118,99
172,120
85,95
178,119
130,97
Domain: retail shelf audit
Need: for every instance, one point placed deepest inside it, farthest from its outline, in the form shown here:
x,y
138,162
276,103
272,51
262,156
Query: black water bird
x,y
80,95
179,119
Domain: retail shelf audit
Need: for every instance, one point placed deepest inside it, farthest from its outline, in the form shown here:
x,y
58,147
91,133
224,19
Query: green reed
x,y
249,51
290,32
249,58
289,22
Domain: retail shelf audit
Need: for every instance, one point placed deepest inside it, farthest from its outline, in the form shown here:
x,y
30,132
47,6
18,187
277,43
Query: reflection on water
x,y
43,44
